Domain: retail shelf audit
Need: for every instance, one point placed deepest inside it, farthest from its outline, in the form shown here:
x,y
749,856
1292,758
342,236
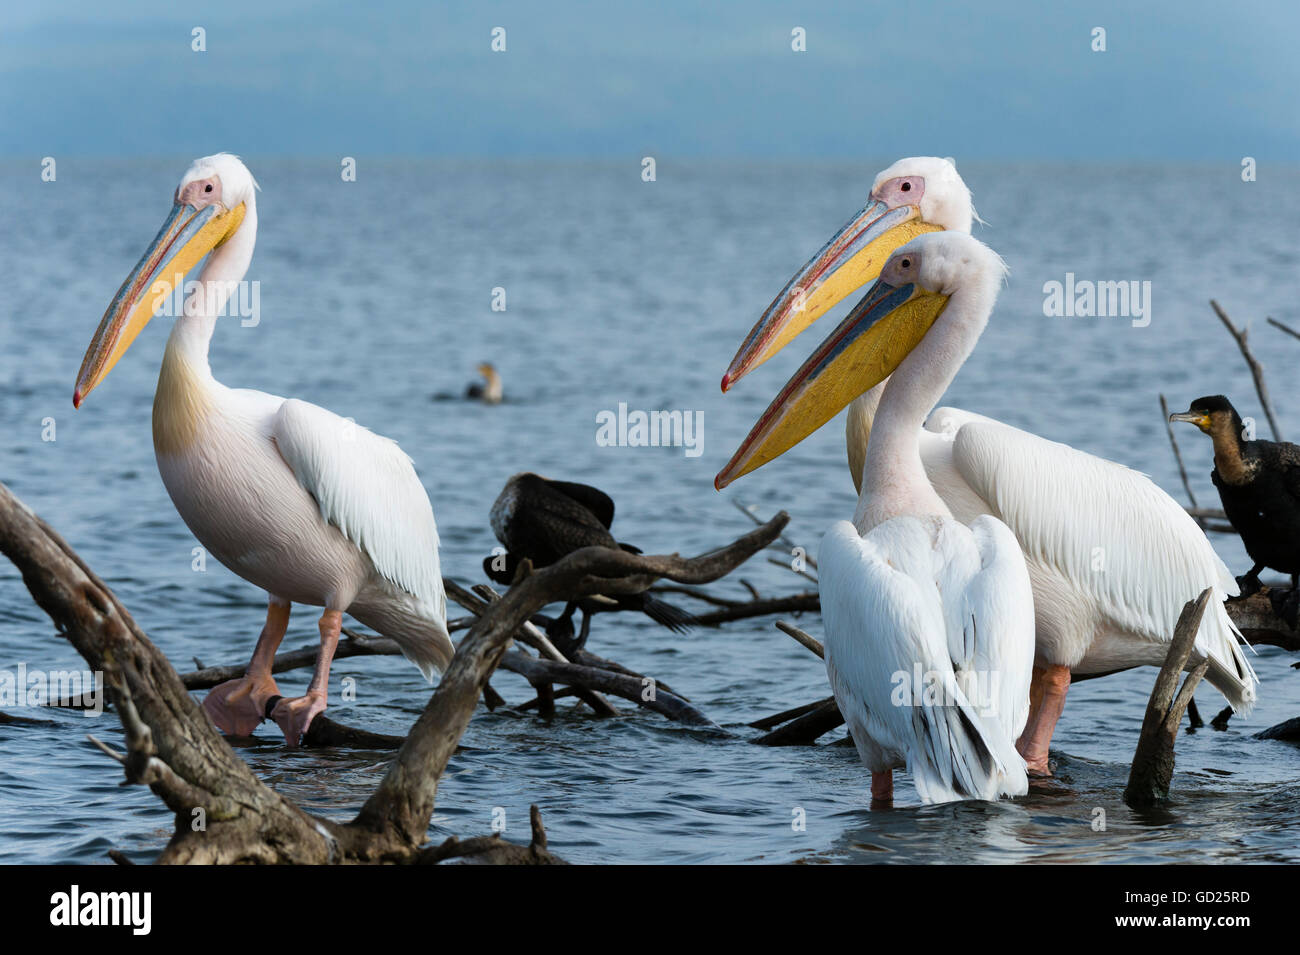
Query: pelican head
x,y
878,334
208,207
913,196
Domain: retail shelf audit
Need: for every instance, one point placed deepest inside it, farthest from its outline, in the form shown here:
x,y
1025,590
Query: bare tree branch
x,y
1284,327
1256,369
805,730
223,812
173,748
642,691
806,640
404,801
492,850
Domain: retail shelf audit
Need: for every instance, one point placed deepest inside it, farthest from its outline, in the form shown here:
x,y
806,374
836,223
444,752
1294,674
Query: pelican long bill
x,y
186,236
853,257
862,352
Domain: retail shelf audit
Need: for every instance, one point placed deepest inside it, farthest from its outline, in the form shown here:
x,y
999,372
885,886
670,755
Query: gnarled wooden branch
x,y
223,812
493,850
808,727
643,691
1259,623
403,803
1153,760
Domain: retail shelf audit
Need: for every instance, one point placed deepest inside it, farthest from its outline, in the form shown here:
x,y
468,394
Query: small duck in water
x,y
488,390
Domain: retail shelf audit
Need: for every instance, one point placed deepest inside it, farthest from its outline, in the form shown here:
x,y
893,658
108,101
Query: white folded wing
x,y
929,648
366,486
1129,553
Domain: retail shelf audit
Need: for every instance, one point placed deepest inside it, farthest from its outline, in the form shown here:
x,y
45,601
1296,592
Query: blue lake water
x,y
376,296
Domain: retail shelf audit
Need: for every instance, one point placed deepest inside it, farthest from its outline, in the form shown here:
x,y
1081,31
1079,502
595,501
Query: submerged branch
x,y
805,730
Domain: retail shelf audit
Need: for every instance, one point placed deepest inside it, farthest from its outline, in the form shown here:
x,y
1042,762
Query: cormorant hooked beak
x,y
1198,418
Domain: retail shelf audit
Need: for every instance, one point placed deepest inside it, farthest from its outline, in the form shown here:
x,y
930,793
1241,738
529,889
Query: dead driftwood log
x,y
223,812
9,719
1288,730
586,676
1259,624
816,720
1153,760
553,676
759,606
493,850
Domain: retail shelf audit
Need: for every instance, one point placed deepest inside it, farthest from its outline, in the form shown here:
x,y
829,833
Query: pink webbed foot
x,y
238,706
294,716
1037,767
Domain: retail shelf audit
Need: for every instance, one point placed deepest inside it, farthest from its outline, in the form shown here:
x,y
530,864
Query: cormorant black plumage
x,y
1259,484
542,520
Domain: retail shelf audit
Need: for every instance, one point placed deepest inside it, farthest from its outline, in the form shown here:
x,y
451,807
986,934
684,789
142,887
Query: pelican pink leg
x,y
1046,703
294,716
238,706
882,789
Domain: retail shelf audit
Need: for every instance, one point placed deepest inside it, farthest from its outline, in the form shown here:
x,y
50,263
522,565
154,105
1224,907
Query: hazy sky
x,y
986,80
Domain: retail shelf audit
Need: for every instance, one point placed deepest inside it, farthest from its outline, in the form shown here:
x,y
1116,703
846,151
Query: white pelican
x,y
913,601
1112,557
304,504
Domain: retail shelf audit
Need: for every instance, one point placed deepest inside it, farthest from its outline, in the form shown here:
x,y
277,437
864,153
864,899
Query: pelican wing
x,y
888,623
1126,546
988,602
998,626
366,486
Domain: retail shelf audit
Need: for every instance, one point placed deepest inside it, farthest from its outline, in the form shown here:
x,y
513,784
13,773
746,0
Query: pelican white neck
x,y
894,482
219,279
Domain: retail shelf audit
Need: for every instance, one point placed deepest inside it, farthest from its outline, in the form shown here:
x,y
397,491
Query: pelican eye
x,y
907,187
208,187
906,263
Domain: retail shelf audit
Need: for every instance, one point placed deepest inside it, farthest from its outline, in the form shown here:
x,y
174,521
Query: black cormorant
x,y
1259,484
541,520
